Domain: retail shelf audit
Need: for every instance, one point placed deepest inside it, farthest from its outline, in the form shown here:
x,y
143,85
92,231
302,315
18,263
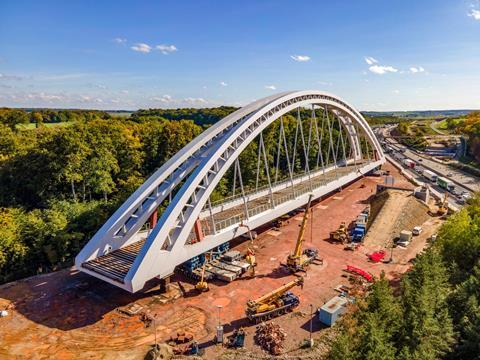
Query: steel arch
x,y
201,164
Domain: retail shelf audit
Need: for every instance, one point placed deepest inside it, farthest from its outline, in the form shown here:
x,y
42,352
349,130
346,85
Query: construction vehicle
x,y
299,260
250,259
276,302
443,208
360,228
237,339
341,234
202,285
280,221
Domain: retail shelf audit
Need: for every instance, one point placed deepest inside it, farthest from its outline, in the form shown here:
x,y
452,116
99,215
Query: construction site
x,y
276,290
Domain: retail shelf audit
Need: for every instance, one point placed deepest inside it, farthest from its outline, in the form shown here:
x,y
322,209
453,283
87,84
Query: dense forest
x,y
471,128
60,184
202,117
436,314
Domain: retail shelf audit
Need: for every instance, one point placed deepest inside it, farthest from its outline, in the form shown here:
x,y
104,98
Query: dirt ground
x,y
69,315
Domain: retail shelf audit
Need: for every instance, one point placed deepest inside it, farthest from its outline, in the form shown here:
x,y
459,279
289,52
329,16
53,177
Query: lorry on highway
x,y
445,184
430,175
409,163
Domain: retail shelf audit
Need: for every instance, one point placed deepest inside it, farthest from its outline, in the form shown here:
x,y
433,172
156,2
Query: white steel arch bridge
x,y
173,217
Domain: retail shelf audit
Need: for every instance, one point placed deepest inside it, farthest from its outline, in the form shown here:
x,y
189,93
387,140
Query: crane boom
x,y
275,294
298,247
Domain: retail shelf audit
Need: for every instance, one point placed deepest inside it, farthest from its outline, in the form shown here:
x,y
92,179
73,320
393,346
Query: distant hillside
x,y
418,114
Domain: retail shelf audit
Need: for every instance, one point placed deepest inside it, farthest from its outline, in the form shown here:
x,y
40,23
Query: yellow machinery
x,y
276,302
250,258
299,260
202,285
341,234
443,208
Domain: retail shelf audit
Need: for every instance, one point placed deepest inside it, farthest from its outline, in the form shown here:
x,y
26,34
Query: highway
x,y
463,182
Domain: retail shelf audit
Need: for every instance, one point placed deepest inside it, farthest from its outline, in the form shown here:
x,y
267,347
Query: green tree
x,y
13,117
427,328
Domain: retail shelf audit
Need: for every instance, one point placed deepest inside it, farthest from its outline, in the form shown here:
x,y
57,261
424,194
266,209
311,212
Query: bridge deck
x,y
115,265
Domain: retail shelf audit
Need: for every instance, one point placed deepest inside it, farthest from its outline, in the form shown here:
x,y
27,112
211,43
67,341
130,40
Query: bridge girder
x,y
200,165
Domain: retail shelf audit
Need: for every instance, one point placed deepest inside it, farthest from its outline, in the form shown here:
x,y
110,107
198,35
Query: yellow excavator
x,y
443,208
299,260
276,302
202,285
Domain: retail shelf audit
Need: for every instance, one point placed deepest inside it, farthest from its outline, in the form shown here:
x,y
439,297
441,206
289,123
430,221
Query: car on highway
x,y
420,159
449,174
454,192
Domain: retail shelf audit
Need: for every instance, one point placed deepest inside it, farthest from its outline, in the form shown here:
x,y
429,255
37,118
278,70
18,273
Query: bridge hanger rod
x,y
307,168
295,147
240,180
343,144
338,137
234,180
331,144
266,169
290,173
319,139
258,165
277,165
309,141
212,218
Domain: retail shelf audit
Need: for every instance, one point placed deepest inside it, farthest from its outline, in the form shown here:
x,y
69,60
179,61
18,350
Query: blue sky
x,y
379,55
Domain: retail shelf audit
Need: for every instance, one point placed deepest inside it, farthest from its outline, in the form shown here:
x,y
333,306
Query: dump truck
x,y
276,302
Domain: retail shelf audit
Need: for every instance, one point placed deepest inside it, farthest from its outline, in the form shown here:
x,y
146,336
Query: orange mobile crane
x,y
299,260
276,302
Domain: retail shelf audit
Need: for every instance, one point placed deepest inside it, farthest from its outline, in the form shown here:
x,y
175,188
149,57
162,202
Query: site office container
x,y
330,311
445,183
430,175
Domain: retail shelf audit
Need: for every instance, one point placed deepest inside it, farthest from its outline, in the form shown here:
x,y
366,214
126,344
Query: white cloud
x,y
380,69
300,58
415,70
223,83
141,47
324,83
10,77
166,49
61,77
195,101
396,91
119,40
475,14
270,87
370,60
164,98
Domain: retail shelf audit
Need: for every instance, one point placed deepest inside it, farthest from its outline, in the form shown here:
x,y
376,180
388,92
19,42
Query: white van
x,y
417,230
